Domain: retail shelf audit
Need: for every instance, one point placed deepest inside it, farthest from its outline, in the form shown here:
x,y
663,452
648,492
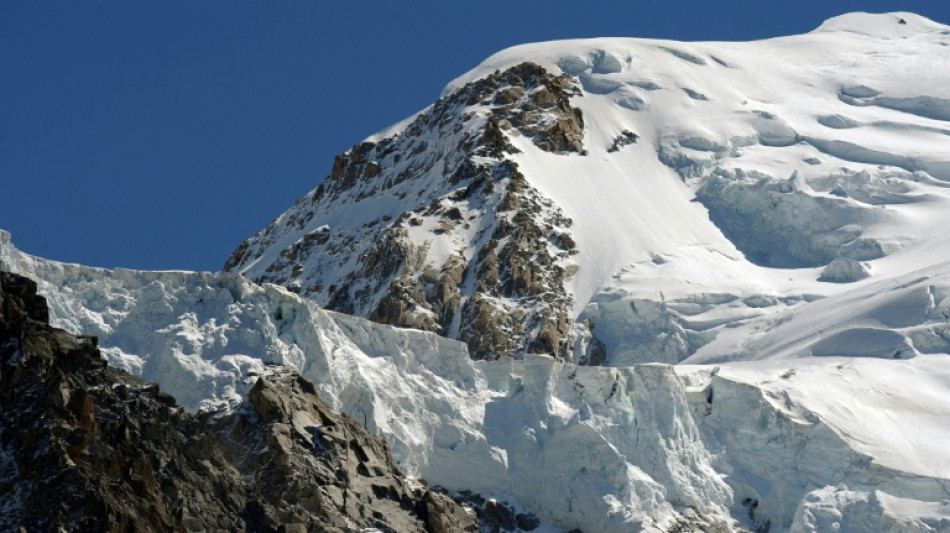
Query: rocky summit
x,y
457,241
88,448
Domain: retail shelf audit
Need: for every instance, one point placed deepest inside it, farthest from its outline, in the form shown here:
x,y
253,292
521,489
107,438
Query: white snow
x,y
762,113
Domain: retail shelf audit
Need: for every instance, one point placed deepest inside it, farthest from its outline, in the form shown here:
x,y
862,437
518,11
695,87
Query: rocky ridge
x,y
86,447
459,243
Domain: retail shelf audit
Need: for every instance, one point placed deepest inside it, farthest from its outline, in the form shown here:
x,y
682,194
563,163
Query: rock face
x,y
86,447
452,241
326,466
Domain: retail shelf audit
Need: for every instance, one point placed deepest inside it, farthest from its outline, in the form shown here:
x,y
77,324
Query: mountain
x,y
615,284
632,199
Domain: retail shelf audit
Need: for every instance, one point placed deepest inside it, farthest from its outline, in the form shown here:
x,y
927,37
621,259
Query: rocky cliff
x,y
86,447
452,238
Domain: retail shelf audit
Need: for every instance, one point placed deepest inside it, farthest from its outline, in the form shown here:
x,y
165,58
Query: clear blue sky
x,y
159,135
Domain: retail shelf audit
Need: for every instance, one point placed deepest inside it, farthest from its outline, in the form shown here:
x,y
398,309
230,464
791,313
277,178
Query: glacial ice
x,y
611,448
601,448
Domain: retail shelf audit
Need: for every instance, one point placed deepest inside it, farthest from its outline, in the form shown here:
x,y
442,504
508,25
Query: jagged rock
x,y
90,448
86,447
625,138
470,251
327,466
500,516
495,516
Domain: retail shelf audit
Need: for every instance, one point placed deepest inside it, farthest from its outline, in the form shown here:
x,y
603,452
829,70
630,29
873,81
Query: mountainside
x,y
435,228
630,199
89,448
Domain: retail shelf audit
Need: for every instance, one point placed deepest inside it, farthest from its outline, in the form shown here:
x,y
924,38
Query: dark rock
x,y
527,522
500,515
93,448
625,138
495,516
84,447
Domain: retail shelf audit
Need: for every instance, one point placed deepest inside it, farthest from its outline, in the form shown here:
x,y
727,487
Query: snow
x,y
880,25
767,266
767,108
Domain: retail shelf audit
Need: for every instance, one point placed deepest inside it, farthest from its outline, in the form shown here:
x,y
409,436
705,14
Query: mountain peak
x,y
533,201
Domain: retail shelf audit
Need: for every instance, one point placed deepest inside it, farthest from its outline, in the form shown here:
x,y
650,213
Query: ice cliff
x,y
650,447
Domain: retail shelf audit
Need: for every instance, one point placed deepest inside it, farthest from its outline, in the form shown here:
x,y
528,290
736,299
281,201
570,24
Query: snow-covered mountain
x,y
748,236
603,197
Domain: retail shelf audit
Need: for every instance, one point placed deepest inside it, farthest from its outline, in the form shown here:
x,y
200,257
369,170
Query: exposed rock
x,y
625,138
495,516
500,515
470,251
86,447
536,103
332,473
90,448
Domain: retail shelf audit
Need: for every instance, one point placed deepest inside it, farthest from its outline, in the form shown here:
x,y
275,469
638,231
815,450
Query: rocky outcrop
x,y
85,447
462,244
516,266
89,448
536,104
329,469
625,138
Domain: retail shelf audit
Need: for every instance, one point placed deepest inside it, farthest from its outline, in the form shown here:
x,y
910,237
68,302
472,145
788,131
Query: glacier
x,y
568,443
